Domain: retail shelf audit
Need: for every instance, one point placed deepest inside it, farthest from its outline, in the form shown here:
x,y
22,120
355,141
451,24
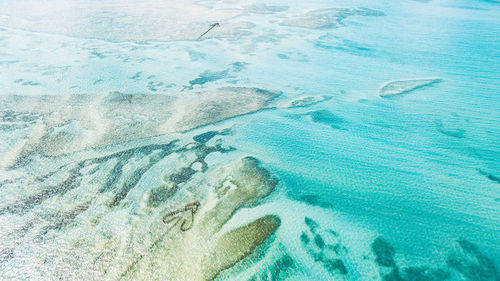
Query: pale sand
x,y
404,86
65,124
69,123
202,251
78,231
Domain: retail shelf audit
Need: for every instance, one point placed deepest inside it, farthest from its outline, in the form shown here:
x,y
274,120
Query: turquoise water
x,y
419,169
385,163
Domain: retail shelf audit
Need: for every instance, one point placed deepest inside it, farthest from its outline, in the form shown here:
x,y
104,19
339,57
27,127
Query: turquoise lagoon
x,y
269,149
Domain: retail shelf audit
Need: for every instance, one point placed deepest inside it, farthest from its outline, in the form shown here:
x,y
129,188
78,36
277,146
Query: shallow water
x,y
354,185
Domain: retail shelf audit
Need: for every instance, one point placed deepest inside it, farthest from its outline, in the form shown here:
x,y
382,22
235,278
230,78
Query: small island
x,y
399,87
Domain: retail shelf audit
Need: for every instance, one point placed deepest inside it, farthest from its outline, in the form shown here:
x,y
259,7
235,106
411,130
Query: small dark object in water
x,y
336,265
489,176
311,224
211,27
319,241
384,252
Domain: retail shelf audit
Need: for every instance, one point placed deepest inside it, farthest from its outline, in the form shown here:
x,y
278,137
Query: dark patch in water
x,y
182,176
74,177
489,176
280,267
206,136
319,241
393,276
336,265
278,270
384,252
321,249
311,224
155,85
26,83
471,263
132,181
304,238
326,117
310,198
23,230
209,76
316,201
466,262
426,274
124,156
61,221
163,192
136,76
26,204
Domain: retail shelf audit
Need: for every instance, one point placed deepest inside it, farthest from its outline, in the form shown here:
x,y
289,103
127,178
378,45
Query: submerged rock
x,y
399,87
425,273
136,213
471,263
326,117
325,246
384,252
464,262
203,251
208,76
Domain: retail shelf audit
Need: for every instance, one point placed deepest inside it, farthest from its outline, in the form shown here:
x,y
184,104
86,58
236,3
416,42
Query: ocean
x,y
317,140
